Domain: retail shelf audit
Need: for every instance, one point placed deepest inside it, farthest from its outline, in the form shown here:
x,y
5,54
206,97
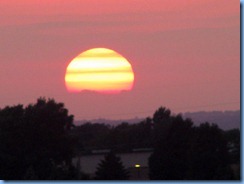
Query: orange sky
x,y
185,54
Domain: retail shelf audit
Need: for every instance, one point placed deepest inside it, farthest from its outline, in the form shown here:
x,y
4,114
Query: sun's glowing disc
x,y
101,70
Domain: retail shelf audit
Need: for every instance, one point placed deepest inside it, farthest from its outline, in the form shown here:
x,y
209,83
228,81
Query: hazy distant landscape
x,y
226,120
53,147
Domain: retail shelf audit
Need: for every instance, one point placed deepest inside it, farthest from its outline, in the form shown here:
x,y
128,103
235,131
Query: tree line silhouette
x,y
39,141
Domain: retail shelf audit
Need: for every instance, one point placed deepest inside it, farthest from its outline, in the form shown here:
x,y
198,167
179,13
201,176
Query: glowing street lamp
x,y
138,169
137,165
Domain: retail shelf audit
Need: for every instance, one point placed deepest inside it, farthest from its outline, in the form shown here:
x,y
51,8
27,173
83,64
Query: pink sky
x,y
185,54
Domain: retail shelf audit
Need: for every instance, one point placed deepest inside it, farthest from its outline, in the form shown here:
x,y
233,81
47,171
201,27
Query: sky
x,y
185,54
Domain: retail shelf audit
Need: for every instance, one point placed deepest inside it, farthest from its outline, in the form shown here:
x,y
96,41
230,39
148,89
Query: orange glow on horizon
x,y
101,70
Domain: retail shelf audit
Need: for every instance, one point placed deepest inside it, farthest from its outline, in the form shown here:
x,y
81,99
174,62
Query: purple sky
x,y
185,54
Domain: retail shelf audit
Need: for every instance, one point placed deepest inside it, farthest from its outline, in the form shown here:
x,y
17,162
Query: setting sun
x,y
101,70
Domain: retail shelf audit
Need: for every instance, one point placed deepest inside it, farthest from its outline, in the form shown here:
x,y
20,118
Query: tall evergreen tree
x,y
111,168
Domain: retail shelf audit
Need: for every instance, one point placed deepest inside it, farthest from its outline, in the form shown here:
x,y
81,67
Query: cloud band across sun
x,y
101,70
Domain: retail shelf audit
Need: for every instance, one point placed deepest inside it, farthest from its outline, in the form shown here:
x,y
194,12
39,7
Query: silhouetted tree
x,y
162,115
233,144
182,151
111,168
92,135
121,138
35,140
169,161
209,154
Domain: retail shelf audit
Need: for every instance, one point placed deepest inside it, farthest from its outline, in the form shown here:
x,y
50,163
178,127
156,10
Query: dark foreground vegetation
x,y
39,141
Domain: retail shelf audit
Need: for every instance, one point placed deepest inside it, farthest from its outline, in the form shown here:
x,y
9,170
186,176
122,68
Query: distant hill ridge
x,y
109,121
224,119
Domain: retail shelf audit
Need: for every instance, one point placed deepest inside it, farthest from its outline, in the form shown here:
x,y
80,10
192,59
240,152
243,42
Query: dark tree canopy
x,y
161,115
122,138
34,140
111,168
210,159
184,152
39,141
233,144
170,157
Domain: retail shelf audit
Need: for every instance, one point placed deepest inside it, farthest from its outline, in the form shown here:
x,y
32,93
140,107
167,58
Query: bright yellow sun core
x,y
101,70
